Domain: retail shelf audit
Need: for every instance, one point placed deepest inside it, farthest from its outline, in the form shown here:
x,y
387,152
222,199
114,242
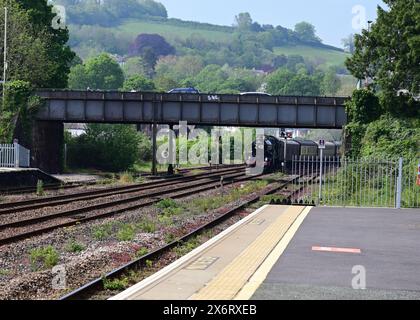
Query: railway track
x,y
26,228
67,186
13,207
48,187
95,286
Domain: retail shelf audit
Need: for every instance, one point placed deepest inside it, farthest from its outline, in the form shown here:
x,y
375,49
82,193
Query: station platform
x,y
24,177
297,252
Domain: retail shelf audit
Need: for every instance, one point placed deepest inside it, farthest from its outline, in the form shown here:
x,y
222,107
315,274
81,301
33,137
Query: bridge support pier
x,y
47,146
154,150
171,151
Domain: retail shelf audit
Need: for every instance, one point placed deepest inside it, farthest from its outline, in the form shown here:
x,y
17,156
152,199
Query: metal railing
x,y
14,156
364,182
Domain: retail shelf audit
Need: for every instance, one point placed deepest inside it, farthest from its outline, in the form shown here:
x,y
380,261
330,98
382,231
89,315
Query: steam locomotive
x,y
277,158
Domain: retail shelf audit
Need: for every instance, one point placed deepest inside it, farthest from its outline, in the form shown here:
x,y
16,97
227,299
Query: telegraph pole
x,y
5,52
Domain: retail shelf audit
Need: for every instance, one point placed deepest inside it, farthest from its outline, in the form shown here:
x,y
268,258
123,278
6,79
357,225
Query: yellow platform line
x,y
227,284
261,274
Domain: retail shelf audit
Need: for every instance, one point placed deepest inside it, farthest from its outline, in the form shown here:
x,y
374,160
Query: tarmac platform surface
x,y
292,252
389,241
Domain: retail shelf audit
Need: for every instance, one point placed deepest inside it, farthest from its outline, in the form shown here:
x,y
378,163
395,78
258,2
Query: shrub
x,y
147,226
107,147
170,237
364,107
141,252
187,247
169,207
126,178
115,284
102,232
166,203
75,247
126,232
46,257
40,188
149,264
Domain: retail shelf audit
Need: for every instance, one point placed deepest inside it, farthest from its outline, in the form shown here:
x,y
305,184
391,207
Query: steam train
x,y
275,157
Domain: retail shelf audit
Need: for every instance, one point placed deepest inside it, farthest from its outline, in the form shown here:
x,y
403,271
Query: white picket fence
x,y
14,156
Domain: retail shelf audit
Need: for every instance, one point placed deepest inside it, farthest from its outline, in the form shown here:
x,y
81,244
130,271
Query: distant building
x,y
118,58
75,129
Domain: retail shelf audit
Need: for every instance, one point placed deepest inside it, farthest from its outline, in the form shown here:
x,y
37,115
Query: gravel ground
x,y
18,279
46,210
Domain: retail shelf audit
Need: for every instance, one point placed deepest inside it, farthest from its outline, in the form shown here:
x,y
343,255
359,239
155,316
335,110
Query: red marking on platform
x,y
336,250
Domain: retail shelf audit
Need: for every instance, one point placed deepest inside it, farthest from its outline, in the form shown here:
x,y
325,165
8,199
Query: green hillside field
x,y
171,32
326,56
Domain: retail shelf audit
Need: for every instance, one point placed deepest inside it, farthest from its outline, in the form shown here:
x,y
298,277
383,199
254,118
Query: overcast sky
x,y
333,19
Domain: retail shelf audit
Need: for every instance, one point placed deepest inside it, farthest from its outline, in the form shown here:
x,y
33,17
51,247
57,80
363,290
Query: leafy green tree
x,y
110,12
78,79
349,44
277,81
389,53
36,52
303,85
134,66
164,83
101,72
331,83
390,136
150,47
364,107
243,21
179,68
20,106
306,32
138,83
106,147
56,49
286,82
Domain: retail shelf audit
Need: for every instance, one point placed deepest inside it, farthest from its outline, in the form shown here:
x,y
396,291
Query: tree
x,y
348,43
152,42
306,32
364,107
110,12
36,52
164,83
278,80
179,68
138,83
154,8
331,83
134,66
243,21
57,51
389,54
101,72
106,147
285,82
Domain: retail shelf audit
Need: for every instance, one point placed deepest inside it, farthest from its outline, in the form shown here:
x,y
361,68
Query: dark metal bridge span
x,y
203,109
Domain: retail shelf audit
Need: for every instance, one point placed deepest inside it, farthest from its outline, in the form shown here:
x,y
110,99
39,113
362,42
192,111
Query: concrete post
x,y
16,147
321,165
